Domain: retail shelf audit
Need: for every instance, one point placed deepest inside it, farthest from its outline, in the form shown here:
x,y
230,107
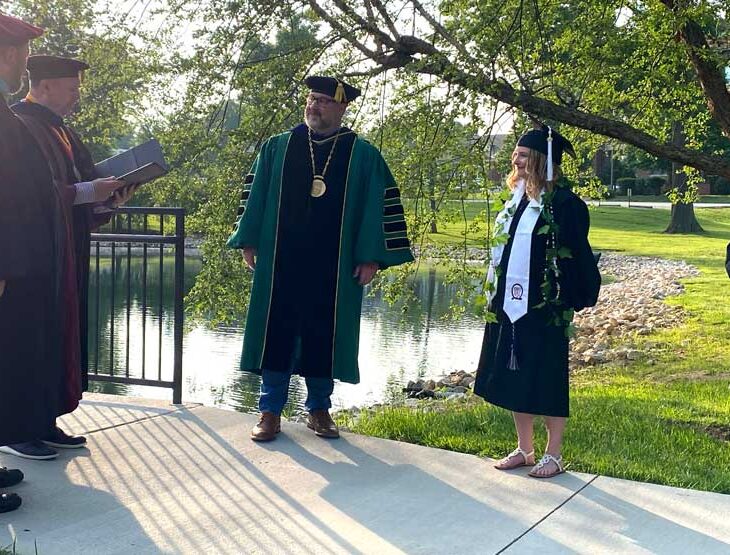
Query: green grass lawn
x,y
666,421
724,199
464,221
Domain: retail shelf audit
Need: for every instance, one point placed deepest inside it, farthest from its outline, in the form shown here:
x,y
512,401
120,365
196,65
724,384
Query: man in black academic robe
x,y
29,310
54,93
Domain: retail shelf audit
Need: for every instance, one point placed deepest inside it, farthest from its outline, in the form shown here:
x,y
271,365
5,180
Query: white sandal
x,y
525,455
546,459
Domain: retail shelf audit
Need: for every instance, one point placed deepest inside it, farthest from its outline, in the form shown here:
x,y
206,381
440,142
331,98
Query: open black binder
x,y
136,166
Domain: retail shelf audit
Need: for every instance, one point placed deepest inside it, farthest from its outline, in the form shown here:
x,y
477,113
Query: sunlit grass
x,y
703,199
626,428
663,419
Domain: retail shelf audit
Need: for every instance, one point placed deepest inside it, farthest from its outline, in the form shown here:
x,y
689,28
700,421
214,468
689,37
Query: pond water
x,y
394,347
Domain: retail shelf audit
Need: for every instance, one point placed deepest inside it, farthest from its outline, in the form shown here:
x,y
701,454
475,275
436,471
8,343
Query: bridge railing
x,y
132,276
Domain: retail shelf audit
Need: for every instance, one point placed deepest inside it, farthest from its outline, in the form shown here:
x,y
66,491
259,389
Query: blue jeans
x,y
275,392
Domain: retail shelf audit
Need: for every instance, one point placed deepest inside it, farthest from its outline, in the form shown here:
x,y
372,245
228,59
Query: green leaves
x,y
564,252
114,88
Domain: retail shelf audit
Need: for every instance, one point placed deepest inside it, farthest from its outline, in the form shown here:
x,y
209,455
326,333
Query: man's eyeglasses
x,y
321,100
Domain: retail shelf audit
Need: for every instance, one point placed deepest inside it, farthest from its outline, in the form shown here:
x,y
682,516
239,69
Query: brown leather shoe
x,y
321,422
269,425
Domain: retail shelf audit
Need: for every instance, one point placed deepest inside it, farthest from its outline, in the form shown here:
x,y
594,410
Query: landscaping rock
x,y
425,394
630,306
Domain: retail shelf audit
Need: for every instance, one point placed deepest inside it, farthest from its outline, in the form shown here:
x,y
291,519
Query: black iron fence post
x,y
179,307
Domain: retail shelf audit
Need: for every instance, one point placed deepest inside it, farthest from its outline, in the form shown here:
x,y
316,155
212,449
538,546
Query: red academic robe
x,y
70,163
30,308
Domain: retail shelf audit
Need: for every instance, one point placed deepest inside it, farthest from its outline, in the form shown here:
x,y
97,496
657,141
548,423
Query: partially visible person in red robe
x,y
87,200
30,353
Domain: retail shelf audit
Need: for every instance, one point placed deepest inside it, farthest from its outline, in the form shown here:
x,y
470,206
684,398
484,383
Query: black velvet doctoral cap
x,y
337,89
54,67
537,139
14,31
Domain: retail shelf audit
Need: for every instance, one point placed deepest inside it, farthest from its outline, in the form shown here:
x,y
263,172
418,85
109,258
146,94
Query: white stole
x,y
517,284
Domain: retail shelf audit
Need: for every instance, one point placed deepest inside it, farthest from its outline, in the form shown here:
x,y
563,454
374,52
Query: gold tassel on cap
x,y
340,93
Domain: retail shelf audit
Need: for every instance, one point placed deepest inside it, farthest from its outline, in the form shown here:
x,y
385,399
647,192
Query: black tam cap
x,y
339,90
54,67
537,139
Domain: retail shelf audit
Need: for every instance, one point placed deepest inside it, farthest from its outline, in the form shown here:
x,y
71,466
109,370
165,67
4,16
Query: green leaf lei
x,y
550,287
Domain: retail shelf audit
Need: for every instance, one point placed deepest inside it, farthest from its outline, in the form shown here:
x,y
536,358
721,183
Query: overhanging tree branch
x,y
386,17
441,30
416,55
340,28
370,26
710,73
546,109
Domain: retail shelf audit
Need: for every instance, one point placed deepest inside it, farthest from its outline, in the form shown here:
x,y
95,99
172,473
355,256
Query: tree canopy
x,y
441,78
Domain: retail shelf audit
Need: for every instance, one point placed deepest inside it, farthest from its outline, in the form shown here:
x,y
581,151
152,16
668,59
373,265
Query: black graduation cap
x,y
54,67
337,89
550,143
538,139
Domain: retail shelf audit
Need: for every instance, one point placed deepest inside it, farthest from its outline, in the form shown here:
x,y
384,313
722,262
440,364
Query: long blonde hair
x,y
536,180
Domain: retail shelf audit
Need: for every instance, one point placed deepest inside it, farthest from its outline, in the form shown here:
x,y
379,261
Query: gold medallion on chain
x,y
318,186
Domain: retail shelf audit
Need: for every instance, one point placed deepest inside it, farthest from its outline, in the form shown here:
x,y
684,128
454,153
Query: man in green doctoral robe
x,y
320,214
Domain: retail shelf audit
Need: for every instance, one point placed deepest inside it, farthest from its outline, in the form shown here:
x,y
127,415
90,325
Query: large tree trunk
x,y
683,215
683,220
710,72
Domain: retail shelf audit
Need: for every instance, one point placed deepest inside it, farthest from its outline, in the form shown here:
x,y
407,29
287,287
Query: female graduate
x,y
542,269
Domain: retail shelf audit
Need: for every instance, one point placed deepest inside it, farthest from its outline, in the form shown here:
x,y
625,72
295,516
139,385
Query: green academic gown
x,y
304,314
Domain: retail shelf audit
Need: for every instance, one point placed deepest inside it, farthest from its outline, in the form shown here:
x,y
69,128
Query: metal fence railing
x,y
136,290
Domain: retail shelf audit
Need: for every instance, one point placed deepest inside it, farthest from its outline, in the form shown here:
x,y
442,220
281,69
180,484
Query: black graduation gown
x,y
540,384
30,350
727,260
307,257
67,171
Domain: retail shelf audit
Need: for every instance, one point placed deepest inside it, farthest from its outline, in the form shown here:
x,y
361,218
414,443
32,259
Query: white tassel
x,y
550,154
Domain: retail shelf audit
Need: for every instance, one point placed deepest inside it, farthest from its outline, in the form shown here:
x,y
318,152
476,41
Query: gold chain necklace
x,y
318,185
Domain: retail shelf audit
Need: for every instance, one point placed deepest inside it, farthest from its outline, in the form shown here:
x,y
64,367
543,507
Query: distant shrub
x,y
720,186
625,183
641,186
654,185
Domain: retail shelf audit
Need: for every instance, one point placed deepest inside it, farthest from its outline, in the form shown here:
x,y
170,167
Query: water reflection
x,y
393,344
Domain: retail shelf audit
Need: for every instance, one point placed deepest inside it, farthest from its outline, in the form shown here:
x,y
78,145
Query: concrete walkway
x,y
163,479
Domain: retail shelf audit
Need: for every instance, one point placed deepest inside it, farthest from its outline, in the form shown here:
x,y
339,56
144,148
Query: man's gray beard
x,y
311,123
